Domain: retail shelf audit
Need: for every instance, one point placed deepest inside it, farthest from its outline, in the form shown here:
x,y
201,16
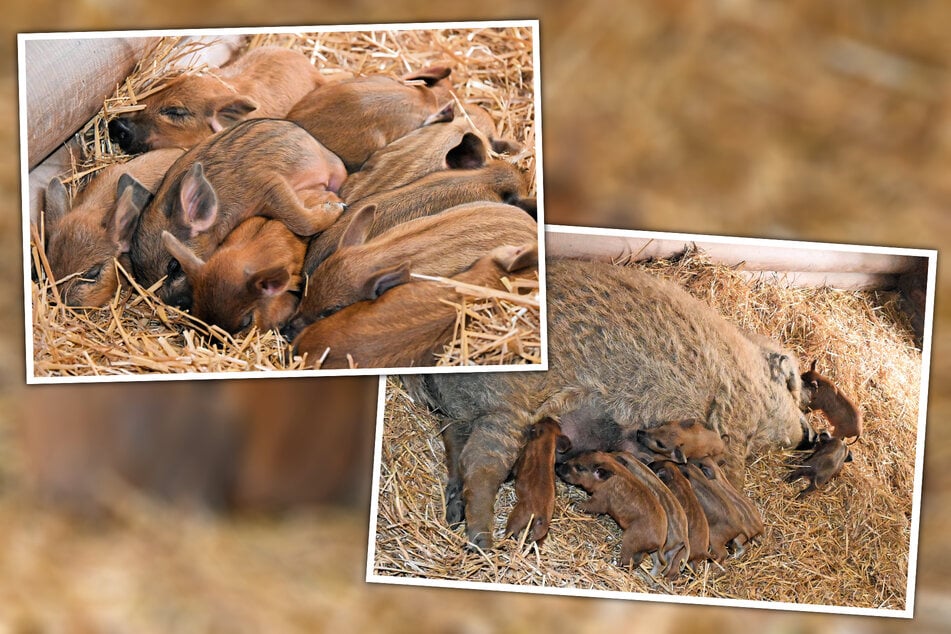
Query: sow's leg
x,y
486,461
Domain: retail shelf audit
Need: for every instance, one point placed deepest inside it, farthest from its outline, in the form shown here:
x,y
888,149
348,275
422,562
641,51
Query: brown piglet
x,y
823,464
676,548
82,241
535,481
751,522
440,146
355,117
498,181
820,393
444,244
407,324
260,167
691,437
723,519
249,280
265,82
615,491
698,529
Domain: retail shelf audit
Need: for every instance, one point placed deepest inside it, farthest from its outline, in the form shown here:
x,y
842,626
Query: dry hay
x,y
137,334
846,545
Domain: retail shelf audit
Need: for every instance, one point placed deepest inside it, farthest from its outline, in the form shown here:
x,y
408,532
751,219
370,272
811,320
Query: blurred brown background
x,y
806,120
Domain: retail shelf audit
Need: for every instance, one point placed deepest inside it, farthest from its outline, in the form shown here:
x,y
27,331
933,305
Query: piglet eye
x,y
175,112
329,311
92,274
173,269
245,322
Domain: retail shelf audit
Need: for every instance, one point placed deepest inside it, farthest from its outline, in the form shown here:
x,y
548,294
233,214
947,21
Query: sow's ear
x,y
131,198
198,200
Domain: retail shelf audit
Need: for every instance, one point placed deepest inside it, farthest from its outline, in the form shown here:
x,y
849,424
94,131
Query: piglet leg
x,y
305,217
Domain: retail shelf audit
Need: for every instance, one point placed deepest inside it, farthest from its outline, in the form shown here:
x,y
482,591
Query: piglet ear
x,y
602,474
356,232
198,200
848,456
385,279
190,262
469,153
56,202
563,444
269,282
678,455
230,111
813,366
430,76
445,115
131,198
514,258
505,146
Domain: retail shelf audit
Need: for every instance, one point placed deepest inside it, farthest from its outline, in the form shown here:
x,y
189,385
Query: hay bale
x,y
136,333
847,545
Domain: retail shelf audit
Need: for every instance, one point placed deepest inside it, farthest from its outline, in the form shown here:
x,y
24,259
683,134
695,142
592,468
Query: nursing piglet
x,y
249,280
751,522
265,82
261,167
614,490
676,548
698,529
535,481
690,437
83,240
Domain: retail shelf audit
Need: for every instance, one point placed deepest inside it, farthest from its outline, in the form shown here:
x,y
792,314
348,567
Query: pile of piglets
x,y
263,195
653,403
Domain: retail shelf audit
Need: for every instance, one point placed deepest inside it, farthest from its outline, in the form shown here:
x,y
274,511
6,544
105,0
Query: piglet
x,y
496,182
441,146
821,394
689,437
698,529
723,518
249,280
444,244
355,117
82,242
614,490
265,82
676,548
751,522
823,464
261,167
535,481
408,323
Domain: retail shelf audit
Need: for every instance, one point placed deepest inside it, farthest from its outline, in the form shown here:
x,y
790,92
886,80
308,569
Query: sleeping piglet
x,y
82,241
260,167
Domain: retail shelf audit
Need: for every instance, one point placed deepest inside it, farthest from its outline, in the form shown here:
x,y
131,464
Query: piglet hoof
x,y
455,507
479,541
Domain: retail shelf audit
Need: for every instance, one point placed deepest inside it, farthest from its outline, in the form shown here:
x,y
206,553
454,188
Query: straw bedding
x,y
846,545
137,334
